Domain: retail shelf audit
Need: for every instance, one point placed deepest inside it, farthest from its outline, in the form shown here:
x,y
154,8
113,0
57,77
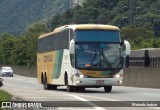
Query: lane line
x,y
86,101
157,108
19,79
99,98
45,98
146,93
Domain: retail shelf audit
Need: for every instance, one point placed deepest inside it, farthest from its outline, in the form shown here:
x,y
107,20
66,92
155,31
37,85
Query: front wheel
x,y
70,88
79,89
107,88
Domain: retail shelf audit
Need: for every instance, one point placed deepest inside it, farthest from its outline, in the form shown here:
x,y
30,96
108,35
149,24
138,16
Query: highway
x,y
28,89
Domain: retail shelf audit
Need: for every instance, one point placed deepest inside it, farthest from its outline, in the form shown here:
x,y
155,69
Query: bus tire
x,y
70,88
79,89
107,88
53,87
66,79
45,85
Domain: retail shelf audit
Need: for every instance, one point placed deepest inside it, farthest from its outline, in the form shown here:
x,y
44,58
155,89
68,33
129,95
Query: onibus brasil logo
x,y
24,105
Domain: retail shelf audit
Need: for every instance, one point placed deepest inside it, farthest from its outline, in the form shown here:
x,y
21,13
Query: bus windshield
x,y
98,49
99,56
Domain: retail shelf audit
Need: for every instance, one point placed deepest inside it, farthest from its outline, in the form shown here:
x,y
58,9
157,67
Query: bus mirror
x,y
72,47
127,48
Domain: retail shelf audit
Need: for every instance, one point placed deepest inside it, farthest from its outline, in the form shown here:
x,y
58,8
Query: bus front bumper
x,y
98,82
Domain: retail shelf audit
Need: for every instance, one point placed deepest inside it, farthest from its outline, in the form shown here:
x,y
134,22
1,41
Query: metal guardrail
x,y
145,58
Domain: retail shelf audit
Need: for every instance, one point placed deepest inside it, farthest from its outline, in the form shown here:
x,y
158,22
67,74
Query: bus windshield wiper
x,y
94,57
105,59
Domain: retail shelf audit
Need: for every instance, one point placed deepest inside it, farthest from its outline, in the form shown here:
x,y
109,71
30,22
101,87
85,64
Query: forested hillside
x,y
16,15
139,21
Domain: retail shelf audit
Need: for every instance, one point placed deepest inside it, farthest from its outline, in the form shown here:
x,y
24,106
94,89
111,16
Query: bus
x,y
81,56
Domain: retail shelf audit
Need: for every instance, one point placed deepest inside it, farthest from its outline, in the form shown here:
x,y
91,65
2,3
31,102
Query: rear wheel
x,y
45,85
108,88
48,86
53,87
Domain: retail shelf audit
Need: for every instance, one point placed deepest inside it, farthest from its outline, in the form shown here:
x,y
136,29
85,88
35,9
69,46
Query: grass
x,y
4,96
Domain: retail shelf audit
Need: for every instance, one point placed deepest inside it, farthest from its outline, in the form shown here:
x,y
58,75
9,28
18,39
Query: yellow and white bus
x,y
81,56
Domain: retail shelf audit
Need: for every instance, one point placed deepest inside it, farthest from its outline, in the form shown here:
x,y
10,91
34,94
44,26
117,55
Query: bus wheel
x,y
108,88
45,85
53,87
79,89
70,88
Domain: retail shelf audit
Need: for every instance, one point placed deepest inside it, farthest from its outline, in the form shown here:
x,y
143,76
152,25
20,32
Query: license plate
x,y
100,82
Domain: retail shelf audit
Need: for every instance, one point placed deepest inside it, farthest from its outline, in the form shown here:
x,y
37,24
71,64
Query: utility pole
x,y
71,3
132,5
131,11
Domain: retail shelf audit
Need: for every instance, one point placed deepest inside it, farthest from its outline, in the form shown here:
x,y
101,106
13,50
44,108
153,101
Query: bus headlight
x,y
118,75
81,76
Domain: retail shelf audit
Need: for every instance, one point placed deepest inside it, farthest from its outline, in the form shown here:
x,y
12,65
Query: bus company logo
x,y
48,58
91,72
6,105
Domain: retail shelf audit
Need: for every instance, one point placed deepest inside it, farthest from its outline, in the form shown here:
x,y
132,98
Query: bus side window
x,y
72,57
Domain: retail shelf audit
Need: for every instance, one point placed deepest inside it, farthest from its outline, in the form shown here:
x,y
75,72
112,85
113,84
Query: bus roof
x,y
82,27
93,26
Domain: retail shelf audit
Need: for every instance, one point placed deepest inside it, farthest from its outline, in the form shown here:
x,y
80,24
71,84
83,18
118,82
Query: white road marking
x,y
45,98
157,108
89,103
99,98
146,93
31,81
19,79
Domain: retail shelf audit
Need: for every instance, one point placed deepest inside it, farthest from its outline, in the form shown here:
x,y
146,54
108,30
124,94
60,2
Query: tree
x,y
7,42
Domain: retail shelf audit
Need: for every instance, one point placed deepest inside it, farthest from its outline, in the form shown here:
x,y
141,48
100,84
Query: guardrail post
x,y
146,60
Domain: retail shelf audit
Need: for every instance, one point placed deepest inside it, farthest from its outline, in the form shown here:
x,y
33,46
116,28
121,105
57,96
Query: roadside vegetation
x,y
4,96
139,21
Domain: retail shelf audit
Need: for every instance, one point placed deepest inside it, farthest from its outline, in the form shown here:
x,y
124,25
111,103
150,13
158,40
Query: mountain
x,y
16,15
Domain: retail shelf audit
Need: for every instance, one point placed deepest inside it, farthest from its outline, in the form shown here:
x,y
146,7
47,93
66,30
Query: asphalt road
x,y
28,89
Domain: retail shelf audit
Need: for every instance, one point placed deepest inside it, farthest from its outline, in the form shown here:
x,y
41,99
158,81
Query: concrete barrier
x,y
142,77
